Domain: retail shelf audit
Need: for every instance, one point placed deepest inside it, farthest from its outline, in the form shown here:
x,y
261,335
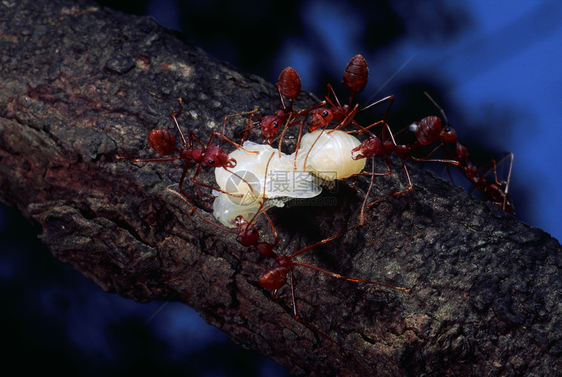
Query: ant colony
x,y
255,177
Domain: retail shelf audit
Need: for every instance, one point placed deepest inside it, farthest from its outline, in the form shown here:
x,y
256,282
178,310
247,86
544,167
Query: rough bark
x,y
80,85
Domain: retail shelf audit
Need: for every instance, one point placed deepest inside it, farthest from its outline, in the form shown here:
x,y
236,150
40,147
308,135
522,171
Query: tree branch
x,y
81,84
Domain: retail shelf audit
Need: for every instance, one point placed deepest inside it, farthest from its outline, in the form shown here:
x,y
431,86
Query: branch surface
x,y
81,84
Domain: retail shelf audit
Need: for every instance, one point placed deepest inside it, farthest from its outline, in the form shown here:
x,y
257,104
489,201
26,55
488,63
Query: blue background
x,y
494,67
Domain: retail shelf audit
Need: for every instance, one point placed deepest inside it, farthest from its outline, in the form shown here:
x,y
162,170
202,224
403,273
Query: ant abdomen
x,y
428,130
356,75
290,83
162,141
275,278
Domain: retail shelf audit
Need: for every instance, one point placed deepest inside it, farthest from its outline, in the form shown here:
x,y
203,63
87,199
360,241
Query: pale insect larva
x,y
280,181
328,154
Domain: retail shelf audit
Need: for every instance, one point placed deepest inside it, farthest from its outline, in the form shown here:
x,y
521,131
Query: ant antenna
x,y
436,105
390,78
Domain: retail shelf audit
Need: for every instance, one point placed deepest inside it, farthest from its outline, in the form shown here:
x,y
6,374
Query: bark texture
x,y
80,84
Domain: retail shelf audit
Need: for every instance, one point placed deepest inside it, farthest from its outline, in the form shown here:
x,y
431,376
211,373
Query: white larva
x,y
226,211
281,181
329,154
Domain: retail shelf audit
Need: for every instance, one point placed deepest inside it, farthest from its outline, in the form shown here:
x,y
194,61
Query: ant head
x,y
248,235
494,193
162,141
367,149
448,135
320,118
497,195
270,125
215,157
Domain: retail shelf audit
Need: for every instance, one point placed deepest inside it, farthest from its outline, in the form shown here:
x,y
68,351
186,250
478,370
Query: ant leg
x,y
333,93
238,146
364,130
508,177
307,111
218,189
183,191
388,99
494,169
148,159
233,115
298,145
272,227
287,125
348,119
283,106
372,174
338,276
389,172
436,105
291,123
505,182
311,148
193,137
410,186
409,128
174,115
320,243
298,319
249,126
362,214
188,200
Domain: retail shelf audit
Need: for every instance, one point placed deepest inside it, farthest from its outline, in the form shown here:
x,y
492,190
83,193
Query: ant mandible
x,y
164,143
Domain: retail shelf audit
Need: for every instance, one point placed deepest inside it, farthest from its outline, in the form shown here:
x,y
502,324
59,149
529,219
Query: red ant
x,y
164,143
354,80
288,85
492,192
276,278
430,129
375,147
248,236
